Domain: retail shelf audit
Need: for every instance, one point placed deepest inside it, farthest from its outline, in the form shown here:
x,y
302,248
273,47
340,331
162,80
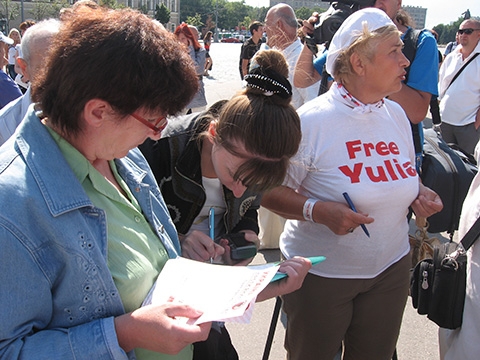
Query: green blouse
x,y
135,254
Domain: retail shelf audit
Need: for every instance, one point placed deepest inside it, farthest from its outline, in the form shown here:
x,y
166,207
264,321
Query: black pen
x,y
350,204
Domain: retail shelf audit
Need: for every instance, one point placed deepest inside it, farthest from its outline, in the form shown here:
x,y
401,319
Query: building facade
x,y
418,15
33,10
150,6
297,4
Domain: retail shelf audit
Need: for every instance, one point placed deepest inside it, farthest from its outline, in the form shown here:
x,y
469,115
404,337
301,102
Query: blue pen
x,y
211,222
350,204
211,226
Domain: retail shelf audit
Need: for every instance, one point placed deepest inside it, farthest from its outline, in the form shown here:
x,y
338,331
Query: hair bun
x,y
269,82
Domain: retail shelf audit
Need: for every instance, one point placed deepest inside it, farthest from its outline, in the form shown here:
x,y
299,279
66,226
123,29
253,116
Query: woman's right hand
x,y
198,246
160,328
338,217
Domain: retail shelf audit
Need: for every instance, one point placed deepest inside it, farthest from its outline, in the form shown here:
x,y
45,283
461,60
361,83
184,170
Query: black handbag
x,y
437,285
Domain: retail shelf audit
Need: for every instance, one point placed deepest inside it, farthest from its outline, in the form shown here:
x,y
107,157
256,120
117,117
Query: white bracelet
x,y
308,209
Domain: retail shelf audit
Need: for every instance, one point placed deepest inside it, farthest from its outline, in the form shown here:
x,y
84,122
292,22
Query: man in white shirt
x,y
35,43
460,100
281,27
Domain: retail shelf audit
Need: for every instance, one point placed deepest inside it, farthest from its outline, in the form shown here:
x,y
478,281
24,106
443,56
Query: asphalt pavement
x,y
418,336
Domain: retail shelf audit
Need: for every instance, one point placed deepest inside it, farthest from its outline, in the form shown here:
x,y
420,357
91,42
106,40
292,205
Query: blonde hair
x,y
365,44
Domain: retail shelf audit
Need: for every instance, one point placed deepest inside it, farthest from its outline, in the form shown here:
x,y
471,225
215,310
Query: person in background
x,y
20,79
220,160
434,107
460,100
250,47
188,36
9,90
25,25
451,45
207,42
14,34
281,28
355,142
35,45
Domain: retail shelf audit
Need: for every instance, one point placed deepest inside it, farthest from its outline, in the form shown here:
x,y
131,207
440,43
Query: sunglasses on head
x,y
466,31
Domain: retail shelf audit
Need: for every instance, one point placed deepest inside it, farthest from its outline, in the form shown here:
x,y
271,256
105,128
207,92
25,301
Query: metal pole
x,y
215,36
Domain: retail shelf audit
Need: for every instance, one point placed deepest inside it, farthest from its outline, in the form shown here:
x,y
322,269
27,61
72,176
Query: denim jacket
x,y
58,298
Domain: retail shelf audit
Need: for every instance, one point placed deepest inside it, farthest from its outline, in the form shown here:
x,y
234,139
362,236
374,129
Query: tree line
x,y
204,14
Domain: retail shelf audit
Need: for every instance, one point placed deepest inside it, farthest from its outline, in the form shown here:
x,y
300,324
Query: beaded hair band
x,y
269,82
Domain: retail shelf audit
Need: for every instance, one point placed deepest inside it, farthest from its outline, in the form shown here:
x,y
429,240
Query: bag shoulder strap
x,y
461,69
410,44
471,236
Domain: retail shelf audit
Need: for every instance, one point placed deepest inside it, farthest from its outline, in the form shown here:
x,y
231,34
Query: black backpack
x,y
449,172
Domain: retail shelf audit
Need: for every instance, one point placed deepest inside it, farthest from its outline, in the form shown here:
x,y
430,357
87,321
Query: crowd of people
x,y
111,163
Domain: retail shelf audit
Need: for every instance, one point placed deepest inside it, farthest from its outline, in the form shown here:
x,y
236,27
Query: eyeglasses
x,y
156,125
466,31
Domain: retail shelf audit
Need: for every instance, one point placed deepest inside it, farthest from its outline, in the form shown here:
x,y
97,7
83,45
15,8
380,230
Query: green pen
x,y
314,259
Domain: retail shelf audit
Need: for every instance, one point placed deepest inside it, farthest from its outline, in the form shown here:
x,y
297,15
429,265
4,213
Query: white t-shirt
x,y
370,156
214,198
459,103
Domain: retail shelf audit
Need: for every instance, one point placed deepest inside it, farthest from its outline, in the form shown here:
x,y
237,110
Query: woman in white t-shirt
x,y
357,143
14,34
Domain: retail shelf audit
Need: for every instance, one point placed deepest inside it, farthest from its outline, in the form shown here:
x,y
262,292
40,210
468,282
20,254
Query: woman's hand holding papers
x,y
296,268
158,328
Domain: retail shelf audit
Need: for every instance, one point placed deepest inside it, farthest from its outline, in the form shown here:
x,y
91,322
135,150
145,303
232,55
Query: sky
x,y
438,11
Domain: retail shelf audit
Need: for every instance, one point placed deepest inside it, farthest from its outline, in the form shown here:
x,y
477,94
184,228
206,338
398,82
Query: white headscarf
x,y
352,29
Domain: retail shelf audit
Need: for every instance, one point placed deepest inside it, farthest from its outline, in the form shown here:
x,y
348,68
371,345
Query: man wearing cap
x,y
8,89
346,196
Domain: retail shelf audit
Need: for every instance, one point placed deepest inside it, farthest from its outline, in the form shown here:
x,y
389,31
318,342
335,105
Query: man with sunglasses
x,y
460,99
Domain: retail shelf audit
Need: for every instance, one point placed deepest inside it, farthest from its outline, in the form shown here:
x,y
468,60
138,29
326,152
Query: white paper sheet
x,y
222,292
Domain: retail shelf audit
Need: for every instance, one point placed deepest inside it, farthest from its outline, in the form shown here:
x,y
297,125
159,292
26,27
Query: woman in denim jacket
x,y
86,231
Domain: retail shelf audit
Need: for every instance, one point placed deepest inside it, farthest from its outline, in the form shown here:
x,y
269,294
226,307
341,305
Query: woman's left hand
x,y
427,202
296,269
249,236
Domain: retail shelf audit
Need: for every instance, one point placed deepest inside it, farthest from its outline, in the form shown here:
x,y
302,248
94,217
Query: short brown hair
x,y
119,56
254,26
